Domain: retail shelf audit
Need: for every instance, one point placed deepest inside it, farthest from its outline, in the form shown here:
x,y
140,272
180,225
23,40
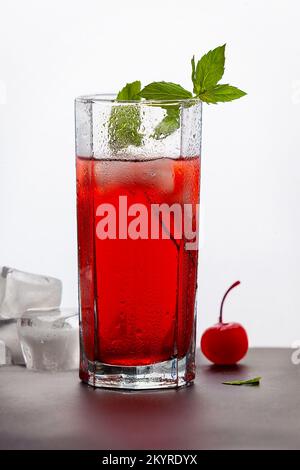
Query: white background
x,y
52,51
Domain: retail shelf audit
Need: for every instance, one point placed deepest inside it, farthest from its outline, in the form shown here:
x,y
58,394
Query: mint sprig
x,y
205,77
125,121
254,381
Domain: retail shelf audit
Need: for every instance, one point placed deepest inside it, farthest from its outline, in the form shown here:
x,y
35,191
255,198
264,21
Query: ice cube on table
x,y
9,337
50,339
20,291
5,355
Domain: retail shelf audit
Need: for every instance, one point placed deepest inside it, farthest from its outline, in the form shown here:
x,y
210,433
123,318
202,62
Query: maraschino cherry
x,y
225,343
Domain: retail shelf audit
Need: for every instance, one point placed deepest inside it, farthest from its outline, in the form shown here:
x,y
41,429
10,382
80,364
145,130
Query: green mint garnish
x,y
130,92
209,70
125,121
221,93
164,91
255,381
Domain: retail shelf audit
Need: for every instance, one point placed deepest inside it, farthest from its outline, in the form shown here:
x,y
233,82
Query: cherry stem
x,y
225,295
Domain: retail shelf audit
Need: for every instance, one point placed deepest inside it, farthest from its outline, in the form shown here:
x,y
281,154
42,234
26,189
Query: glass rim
x,y
110,98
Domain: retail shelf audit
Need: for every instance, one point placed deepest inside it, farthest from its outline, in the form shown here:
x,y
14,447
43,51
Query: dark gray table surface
x,y
56,411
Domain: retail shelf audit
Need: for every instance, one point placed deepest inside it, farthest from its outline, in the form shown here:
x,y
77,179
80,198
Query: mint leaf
x,y
164,91
125,121
255,381
169,124
221,93
209,70
130,92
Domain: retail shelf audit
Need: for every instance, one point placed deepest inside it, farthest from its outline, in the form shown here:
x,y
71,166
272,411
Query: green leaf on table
x,y
125,121
254,381
209,69
164,91
221,93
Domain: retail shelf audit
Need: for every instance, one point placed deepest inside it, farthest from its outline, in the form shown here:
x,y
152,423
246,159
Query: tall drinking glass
x,y
137,213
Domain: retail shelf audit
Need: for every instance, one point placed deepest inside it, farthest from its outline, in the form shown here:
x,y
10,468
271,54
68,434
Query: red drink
x,y
137,295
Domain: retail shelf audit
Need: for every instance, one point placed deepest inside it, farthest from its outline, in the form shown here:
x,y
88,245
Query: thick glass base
x,y
168,374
